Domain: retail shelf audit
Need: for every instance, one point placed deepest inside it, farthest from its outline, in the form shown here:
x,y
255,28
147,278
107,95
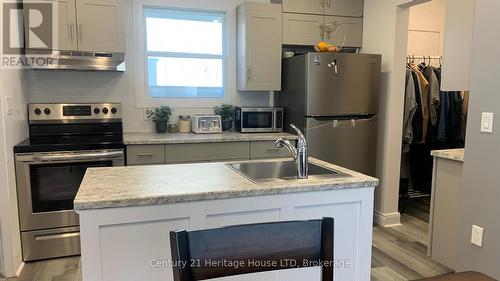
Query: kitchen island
x,y
126,214
445,205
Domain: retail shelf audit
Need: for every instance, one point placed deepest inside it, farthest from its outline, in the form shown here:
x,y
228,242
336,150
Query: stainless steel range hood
x,y
74,60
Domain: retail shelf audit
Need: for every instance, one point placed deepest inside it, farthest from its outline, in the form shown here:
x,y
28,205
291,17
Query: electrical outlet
x,y
145,113
477,236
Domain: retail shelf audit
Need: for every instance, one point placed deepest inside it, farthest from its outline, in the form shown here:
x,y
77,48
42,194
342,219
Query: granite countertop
x,y
154,138
156,185
451,154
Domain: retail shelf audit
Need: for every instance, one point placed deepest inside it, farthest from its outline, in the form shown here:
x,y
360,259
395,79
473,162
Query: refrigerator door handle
x,y
334,64
363,116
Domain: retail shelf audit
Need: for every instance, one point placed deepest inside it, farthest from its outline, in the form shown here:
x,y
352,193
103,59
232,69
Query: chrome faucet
x,y
299,153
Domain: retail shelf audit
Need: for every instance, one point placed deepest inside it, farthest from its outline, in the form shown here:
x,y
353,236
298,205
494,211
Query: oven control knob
x,y
96,110
105,110
114,110
46,111
38,111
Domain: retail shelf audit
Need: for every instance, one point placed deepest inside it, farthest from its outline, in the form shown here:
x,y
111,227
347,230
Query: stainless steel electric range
x,y
64,140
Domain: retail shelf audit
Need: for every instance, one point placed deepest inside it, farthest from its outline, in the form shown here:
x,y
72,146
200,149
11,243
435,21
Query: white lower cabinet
x,y
122,244
157,154
266,150
145,154
206,152
445,208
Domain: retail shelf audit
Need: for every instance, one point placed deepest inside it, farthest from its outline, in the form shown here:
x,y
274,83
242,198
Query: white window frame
x,y
164,54
143,99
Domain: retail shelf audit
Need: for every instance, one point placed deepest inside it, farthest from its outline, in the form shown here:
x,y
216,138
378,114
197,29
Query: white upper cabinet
x,y
302,29
100,25
346,8
350,28
66,25
303,6
306,22
67,37
259,47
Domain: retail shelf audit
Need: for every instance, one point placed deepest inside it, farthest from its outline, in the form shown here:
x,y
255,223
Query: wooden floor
x,y
64,269
399,253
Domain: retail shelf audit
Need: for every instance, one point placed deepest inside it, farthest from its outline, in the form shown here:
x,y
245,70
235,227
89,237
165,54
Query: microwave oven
x,y
259,119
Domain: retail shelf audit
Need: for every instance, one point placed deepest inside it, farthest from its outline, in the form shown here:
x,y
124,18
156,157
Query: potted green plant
x,y
226,112
160,116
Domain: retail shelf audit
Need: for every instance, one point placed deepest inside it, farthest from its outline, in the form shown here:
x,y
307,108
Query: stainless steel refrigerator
x,y
333,98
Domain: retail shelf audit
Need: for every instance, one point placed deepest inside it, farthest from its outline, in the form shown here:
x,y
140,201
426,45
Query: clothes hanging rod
x,y
424,57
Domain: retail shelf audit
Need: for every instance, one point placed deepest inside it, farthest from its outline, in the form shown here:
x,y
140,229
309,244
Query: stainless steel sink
x,y
282,170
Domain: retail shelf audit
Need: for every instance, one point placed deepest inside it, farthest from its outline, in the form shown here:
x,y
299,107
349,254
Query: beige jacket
x,y
424,86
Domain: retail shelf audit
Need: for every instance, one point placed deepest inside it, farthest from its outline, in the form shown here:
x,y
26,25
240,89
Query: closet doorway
x,y
433,119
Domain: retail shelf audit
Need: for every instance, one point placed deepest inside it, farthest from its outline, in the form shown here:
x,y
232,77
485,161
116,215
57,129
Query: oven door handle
x,y
83,156
56,236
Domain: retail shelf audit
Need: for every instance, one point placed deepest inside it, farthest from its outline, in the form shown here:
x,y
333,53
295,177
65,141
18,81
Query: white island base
x,y
131,243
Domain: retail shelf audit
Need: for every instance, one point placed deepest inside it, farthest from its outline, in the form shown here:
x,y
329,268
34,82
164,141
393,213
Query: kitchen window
x,y
185,53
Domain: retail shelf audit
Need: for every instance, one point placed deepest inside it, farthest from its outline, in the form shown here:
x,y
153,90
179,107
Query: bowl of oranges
x,y
325,47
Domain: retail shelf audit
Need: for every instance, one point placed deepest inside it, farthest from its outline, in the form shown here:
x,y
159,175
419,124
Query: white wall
x,y
426,28
459,26
386,32
13,129
72,86
480,191
2,157
1,254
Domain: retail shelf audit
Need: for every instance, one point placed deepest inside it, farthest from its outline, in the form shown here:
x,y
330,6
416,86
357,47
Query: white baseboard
x,y
20,269
385,220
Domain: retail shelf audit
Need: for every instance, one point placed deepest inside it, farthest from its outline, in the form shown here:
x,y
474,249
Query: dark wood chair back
x,y
242,249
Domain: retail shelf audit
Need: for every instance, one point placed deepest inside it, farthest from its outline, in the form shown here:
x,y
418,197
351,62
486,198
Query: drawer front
x,y
266,149
207,152
45,244
145,154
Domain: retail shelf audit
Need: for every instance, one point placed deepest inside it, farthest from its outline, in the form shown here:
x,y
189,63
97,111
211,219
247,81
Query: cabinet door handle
x,y
328,3
56,236
249,74
80,32
322,32
71,32
145,155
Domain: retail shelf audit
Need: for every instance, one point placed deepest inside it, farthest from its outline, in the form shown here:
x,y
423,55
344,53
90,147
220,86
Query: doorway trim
x,y
386,32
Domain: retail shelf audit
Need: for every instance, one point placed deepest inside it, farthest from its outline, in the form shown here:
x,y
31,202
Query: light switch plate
x,y
477,236
487,122
10,106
